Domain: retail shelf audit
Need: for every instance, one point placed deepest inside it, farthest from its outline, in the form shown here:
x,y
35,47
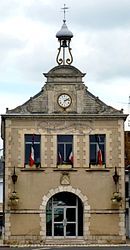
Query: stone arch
x,y
76,191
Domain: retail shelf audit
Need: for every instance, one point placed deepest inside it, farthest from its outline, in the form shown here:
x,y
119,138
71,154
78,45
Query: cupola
x,y
64,33
64,36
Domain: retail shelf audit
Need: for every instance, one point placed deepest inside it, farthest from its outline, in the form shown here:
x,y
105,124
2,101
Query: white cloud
x,y
111,92
101,14
105,54
100,46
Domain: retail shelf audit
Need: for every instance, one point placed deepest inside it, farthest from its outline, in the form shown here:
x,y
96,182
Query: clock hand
x,y
66,99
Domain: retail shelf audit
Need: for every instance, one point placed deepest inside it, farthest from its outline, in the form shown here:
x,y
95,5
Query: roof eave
x,y
62,116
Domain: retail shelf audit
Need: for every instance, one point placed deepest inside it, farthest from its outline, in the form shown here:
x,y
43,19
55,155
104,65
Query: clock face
x,y
64,100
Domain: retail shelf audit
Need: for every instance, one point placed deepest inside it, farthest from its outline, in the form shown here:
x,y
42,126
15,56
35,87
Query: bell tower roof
x,y
64,32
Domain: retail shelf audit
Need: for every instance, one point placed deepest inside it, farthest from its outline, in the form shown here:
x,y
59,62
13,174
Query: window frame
x,y
63,153
102,146
27,150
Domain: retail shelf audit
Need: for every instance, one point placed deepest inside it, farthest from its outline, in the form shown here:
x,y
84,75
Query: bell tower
x,y
64,36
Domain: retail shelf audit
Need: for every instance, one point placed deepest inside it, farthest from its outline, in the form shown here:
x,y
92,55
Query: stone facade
x,y
93,185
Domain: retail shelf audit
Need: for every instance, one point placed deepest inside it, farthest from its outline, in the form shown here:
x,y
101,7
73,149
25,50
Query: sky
x,y
100,47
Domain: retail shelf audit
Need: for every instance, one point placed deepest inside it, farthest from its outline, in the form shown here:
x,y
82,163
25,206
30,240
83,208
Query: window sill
x,y
65,169
33,169
97,169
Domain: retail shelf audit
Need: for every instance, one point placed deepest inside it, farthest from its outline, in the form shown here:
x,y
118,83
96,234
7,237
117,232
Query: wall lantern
x,y
14,177
116,198
14,199
116,176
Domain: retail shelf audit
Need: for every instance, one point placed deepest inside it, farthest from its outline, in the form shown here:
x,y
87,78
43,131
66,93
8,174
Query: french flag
x,y
71,157
60,161
99,155
31,158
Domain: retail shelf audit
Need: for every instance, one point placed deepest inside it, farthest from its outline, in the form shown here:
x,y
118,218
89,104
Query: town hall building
x,y
64,162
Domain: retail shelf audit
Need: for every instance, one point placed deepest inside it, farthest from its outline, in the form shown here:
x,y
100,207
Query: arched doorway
x,y
64,215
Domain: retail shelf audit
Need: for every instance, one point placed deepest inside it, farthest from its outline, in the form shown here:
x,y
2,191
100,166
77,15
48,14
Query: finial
x,y
64,9
64,37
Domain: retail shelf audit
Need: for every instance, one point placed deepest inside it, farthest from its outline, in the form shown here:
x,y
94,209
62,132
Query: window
x,y
127,189
32,150
65,149
128,136
97,149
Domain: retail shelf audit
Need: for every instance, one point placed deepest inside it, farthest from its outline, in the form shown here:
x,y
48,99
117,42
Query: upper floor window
x,y
128,136
97,149
32,150
65,149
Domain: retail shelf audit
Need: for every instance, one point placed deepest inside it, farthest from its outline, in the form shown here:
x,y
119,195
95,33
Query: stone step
x,y
70,242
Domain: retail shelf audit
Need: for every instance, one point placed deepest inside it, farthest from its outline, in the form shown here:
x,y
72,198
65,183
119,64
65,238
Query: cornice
x,y
66,116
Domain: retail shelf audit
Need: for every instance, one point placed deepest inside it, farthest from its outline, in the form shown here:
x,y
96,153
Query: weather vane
x,y
64,37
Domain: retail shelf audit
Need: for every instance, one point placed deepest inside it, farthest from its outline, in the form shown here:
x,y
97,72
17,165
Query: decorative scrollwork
x,y
59,60
62,60
69,60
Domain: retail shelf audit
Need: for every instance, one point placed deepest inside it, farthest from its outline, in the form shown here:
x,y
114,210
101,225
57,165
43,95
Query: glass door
x,y
71,221
64,221
58,221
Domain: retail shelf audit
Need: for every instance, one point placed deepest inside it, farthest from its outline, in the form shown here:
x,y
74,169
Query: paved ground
x,y
72,248
123,247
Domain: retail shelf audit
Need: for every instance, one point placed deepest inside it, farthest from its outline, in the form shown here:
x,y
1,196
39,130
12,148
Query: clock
x,y
64,100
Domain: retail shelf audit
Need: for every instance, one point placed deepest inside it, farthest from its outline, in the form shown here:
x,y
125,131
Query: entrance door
x,y
64,221
64,215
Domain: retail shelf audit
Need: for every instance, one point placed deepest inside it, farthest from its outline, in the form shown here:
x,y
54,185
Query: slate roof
x,y
38,104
